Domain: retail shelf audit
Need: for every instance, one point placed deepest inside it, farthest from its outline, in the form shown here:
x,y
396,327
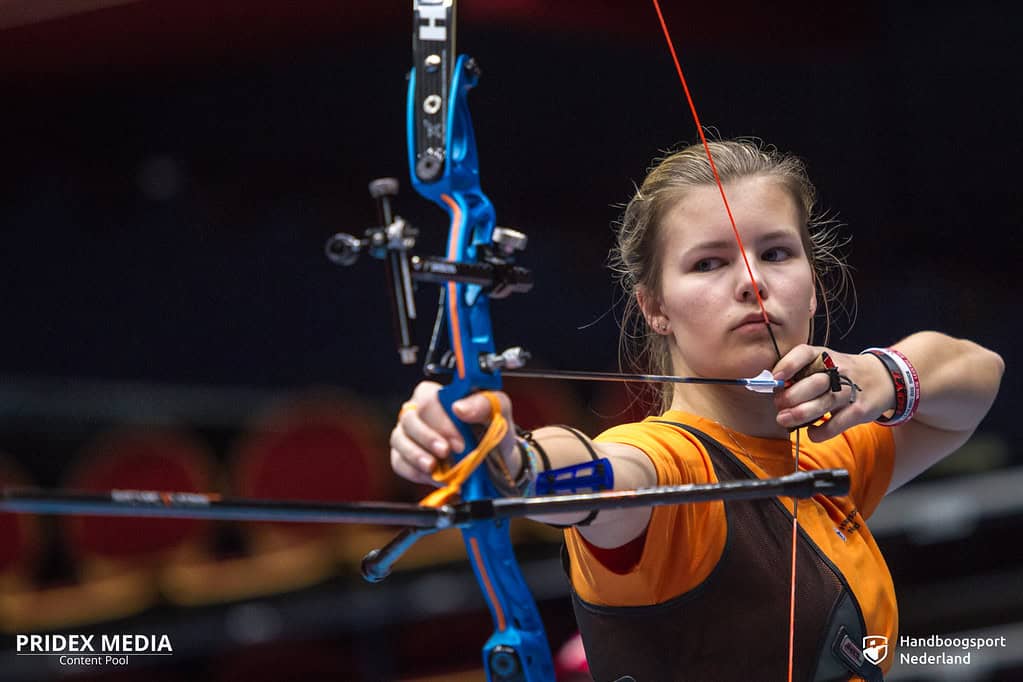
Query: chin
x,y
761,358
730,362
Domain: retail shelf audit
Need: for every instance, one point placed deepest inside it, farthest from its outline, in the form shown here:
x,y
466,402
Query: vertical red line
x,y
760,302
714,170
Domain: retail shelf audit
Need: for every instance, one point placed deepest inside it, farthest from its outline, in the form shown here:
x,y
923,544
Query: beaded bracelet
x,y
530,467
904,379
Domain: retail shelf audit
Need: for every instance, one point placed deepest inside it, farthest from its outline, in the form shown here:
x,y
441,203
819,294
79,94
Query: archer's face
x,y
706,292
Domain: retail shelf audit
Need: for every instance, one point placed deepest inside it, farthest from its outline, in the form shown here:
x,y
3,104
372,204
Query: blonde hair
x,y
636,257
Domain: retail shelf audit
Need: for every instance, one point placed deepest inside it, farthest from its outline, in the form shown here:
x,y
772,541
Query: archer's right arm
x,y
425,434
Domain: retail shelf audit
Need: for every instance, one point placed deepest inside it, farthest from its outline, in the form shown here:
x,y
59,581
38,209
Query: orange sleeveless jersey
x,y
684,542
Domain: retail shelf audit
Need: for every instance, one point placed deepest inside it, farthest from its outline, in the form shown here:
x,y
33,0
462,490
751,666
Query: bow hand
x,y
425,438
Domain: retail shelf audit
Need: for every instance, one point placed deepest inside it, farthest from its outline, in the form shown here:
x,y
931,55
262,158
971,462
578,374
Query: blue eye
x,y
706,264
777,253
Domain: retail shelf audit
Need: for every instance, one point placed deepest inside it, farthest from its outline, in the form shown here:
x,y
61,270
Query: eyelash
x,y
786,252
697,265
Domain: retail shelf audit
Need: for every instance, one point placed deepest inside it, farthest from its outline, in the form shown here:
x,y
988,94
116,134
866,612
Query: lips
x,y
754,318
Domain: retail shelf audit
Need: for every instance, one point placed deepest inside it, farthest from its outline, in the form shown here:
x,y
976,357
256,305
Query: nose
x,y
746,276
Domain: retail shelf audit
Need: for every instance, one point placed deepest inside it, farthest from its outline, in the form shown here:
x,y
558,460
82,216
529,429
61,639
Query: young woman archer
x,y
701,591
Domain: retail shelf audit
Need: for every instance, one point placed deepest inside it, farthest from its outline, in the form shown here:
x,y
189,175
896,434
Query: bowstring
x,y
760,302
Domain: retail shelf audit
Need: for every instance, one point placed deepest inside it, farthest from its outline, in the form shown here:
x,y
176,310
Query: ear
x,y
650,305
813,303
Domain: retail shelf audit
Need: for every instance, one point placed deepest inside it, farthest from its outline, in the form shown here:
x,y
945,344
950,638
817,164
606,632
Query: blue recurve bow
x,y
443,166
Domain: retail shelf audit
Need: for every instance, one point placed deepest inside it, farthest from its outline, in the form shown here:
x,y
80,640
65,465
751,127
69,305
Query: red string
x,y
763,312
714,170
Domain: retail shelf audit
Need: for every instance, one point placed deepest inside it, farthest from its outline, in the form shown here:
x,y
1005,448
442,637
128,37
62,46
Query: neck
x,y
733,407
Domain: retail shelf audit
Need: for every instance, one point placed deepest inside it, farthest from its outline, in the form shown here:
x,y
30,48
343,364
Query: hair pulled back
x,y
636,259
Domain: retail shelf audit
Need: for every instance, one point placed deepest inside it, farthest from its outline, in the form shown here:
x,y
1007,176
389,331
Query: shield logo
x,y
875,648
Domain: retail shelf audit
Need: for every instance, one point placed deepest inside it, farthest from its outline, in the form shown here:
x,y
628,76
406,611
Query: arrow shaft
x,y
626,378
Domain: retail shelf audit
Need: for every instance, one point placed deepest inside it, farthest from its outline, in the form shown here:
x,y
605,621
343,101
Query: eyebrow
x,y
725,243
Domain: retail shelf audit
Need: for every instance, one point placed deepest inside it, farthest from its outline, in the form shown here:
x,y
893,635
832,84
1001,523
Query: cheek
x,y
798,290
691,306
807,280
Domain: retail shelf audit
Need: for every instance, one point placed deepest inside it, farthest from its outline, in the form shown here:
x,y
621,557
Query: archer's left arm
x,y
958,384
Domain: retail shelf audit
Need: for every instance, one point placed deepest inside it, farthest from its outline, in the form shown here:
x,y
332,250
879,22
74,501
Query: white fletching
x,y
763,383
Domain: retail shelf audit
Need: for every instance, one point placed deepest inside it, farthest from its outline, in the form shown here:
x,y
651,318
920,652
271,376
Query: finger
x,y
808,411
795,360
431,428
802,391
842,418
841,408
431,421
476,408
848,412
412,455
407,471
826,431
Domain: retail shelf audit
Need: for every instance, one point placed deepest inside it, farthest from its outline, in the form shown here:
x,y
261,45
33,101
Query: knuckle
x,y
857,413
804,350
425,390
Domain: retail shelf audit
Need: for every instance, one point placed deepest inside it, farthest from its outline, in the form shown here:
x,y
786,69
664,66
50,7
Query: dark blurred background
x,y
171,170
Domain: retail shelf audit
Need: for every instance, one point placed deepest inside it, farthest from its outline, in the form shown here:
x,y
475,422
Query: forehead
x,y
759,205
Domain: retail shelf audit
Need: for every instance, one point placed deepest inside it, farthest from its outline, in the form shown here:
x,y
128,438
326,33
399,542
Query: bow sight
x,y
494,274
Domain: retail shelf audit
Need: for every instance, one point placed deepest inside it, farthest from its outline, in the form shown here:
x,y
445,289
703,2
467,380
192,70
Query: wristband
x,y
905,381
523,484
